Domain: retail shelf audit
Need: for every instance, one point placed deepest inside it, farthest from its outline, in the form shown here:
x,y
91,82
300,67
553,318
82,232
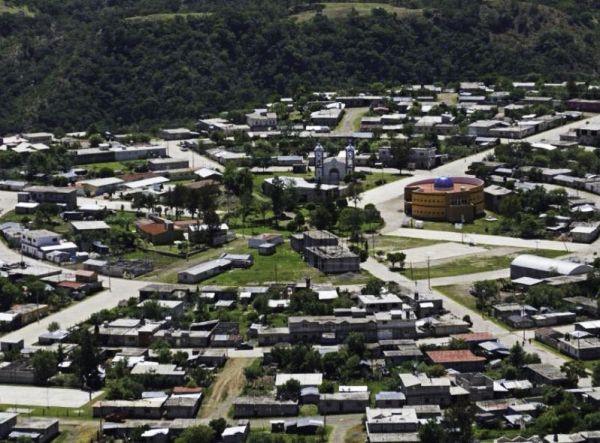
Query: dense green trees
x,y
45,365
78,62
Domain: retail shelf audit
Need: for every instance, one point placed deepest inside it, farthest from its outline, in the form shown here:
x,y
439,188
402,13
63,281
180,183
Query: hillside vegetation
x,y
335,10
128,64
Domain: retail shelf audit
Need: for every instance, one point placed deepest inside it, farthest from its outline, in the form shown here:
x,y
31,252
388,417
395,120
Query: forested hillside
x,y
126,63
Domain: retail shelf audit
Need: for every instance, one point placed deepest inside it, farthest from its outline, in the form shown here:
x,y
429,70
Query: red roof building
x,y
462,360
474,337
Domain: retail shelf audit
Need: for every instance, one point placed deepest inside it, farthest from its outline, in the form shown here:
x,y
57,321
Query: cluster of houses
x,y
579,225
395,415
156,181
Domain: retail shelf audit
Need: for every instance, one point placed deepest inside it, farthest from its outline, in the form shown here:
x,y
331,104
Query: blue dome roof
x,y
443,182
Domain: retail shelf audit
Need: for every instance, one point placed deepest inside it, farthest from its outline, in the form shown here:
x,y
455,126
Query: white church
x,y
332,170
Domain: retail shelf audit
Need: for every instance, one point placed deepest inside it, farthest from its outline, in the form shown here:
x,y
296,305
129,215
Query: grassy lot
x,y
479,226
474,264
357,120
341,9
115,166
13,9
388,243
450,98
284,265
309,410
83,432
459,295
489,435
355,435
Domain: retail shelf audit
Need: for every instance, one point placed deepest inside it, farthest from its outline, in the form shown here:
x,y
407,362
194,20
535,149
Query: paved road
x,y
74,314
495,240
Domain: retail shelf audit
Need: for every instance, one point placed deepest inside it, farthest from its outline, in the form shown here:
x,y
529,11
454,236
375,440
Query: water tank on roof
x,y
443,182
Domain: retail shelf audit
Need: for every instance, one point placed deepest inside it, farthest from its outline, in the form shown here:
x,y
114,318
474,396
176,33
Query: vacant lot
x,y
388,243
460,294
341,9
225,389
473,265
283,266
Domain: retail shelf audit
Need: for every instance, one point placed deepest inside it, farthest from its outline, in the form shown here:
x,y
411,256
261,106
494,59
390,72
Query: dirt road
x,y
225,389
351,120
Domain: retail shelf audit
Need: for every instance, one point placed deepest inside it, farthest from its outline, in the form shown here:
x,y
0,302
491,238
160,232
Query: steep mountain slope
x,y
141,63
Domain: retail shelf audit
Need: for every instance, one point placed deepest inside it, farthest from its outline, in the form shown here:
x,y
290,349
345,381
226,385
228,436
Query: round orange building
x,y
452,199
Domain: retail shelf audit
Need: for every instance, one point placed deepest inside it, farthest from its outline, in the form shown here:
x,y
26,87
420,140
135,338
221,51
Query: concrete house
x,y
305,380
40,242
343,402
182,405
159,375
390,399
588,135
332,259
99,186
422,390
150,408
66,197
377,303
236,434
177,134
261,119
203,271
40,430
316,328
247,407
391,420
8,420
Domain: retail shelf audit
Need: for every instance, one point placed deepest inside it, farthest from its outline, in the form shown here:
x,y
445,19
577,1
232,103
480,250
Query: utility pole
x,y
428,273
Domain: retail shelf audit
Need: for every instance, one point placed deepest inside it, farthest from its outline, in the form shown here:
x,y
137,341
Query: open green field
x,y
473,264
114,166
283,266
479,226
166,16
459,295
336,10
13,9
389,243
